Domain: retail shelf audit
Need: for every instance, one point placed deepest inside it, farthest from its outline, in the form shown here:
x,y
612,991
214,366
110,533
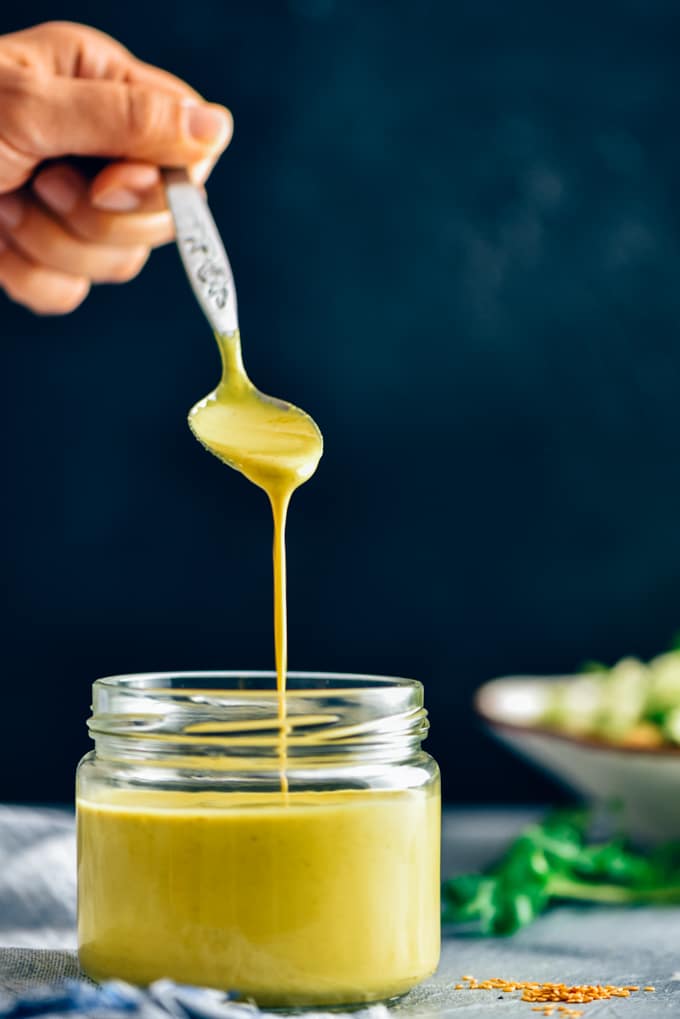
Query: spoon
x,y
275,444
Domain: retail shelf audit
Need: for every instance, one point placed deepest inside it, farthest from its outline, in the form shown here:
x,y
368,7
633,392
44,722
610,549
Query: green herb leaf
x,y
553,861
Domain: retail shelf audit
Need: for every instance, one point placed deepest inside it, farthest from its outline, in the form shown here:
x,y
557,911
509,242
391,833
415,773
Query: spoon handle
x,y
202,252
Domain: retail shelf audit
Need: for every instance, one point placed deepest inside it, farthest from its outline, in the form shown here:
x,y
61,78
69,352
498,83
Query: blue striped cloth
x,y
115,999
162,1000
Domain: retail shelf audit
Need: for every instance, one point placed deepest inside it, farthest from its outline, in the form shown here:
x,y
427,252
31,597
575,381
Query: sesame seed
x,y
548,997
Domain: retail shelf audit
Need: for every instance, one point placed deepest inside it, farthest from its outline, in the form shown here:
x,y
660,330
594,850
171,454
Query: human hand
x,y
69,90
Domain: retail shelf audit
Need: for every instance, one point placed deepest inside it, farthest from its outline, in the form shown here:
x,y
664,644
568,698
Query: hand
x,y
69,90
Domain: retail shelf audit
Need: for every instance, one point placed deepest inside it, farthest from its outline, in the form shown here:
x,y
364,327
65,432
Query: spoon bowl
x,y
270,441
262,437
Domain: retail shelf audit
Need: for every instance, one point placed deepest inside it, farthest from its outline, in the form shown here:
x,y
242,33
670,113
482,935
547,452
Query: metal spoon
x,y
269,440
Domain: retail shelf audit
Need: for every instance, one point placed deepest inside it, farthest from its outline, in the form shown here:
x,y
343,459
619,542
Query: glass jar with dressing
x,y
298,866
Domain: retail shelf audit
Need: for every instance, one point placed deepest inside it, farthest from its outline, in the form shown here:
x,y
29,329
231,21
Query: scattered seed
x,y
547,995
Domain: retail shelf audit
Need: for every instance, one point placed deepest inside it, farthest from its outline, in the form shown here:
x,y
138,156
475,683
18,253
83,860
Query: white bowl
x,y
644,782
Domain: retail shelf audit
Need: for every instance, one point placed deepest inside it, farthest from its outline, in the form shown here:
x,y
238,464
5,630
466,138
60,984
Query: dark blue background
x,y
455,234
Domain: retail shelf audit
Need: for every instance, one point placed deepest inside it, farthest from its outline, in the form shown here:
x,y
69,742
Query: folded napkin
x,y
162,1000
37,880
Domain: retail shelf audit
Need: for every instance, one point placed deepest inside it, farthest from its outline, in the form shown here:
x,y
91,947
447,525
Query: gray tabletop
x,y
574,945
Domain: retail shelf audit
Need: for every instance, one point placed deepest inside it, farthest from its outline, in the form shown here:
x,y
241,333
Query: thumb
x,y
59,116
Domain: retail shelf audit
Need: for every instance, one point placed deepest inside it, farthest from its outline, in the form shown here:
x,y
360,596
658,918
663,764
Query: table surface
x,y
570,944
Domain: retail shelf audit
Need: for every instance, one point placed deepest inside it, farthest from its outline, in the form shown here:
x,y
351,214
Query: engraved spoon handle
x,y
202,252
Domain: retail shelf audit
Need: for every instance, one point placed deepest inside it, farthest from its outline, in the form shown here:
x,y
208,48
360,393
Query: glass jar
x,y
298,866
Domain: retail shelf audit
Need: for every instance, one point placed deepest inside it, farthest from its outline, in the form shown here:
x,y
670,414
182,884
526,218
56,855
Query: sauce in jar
x,y
195,865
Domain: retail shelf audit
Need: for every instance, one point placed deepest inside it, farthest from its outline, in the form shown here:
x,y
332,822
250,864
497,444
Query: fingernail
x,y
58,191
118,200
207,124
11,211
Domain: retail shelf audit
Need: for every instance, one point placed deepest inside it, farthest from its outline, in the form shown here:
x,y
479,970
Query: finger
x,y
43,290
136,72
41,120
72,50
130,187
38,235
65,193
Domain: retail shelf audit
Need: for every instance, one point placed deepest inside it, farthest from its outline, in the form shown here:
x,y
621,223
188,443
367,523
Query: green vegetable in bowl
x,y
554,861
633,703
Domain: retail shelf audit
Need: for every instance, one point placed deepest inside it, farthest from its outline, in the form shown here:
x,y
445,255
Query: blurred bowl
x,y
644,781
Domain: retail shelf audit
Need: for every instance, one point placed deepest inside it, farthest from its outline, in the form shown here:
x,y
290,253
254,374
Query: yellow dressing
x,y
328,898
275,445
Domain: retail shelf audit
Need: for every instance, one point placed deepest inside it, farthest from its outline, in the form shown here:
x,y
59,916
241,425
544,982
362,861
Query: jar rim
x,y
225,709
143,680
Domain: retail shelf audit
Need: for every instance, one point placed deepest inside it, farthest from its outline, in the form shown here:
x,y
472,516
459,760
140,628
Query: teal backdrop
x,y
455,231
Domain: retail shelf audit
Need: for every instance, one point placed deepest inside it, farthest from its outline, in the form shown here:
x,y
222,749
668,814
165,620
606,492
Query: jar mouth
x,y
225,712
